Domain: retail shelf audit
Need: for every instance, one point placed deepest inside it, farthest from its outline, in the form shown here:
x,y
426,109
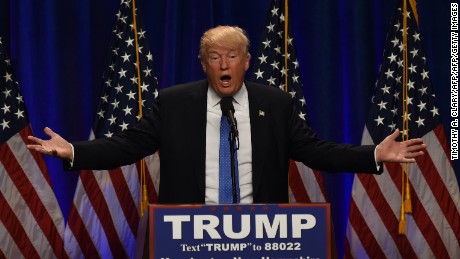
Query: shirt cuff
x,y
377,164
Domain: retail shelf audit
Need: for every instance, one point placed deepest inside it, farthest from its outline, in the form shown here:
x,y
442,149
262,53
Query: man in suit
x,y
184,125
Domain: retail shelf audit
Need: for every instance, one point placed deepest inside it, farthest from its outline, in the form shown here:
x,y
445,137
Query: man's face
x,y
225,69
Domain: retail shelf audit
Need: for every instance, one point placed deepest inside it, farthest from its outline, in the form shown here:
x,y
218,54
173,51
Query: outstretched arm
x,y
389,150
55,146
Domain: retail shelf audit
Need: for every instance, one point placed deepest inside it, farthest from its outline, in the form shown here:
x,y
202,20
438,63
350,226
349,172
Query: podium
x,y
235,231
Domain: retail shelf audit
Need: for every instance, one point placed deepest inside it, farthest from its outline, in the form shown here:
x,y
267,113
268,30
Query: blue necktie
x,y
225,173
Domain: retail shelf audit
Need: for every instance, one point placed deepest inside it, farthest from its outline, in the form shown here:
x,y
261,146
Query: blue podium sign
x,y
240,231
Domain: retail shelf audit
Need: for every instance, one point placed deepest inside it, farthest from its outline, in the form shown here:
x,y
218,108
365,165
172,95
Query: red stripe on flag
x,y
16,230
419,214
389,220
364,233
27,131
152,195
102,211
33,201
296,184
125,199
81,233
319,179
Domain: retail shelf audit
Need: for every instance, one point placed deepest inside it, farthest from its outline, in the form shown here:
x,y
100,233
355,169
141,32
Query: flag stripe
x,y
123,193
296,184
102,211
15,229
84,240
31,200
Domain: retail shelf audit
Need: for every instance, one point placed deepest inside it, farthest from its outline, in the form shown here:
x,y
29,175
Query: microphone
x,y
228,110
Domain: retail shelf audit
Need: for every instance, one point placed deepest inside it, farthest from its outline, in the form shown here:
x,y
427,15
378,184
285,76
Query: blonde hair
x,y
231,37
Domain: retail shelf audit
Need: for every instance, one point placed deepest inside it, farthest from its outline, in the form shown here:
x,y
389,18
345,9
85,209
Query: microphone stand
x,y
233,137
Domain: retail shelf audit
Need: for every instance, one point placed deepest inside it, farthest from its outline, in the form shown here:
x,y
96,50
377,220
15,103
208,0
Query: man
x,y
184,124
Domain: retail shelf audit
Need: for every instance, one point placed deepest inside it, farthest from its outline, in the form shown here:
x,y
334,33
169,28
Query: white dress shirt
x,y
244,153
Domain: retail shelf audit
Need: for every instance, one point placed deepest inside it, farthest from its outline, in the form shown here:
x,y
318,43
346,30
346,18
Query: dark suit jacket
x,y
176,125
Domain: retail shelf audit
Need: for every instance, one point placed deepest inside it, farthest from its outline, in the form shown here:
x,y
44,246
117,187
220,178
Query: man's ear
x,y
203,67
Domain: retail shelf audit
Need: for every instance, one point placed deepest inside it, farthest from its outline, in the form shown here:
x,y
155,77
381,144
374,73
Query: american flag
x,y
31,221
305,184
105,213
432,230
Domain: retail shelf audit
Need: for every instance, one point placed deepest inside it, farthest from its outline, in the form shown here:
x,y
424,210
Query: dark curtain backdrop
x,y
59,50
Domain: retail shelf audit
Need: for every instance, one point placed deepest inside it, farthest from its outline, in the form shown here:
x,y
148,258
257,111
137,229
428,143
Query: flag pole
x,y
143,185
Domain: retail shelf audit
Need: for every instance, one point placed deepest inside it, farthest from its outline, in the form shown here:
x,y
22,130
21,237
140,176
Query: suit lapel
x,y
196,122
259,114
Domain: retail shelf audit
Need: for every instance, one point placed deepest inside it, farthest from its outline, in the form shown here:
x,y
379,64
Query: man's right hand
x,y
56,146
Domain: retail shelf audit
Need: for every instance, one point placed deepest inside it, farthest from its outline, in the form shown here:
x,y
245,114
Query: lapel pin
x,y
261,113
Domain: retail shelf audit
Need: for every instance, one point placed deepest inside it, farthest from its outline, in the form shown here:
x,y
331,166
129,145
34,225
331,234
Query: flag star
x,y
263,59
259,74
7,61
421,106
392,126
425,74
281,86
409,100
112,119
112,66
140,49
118,88
412,68
397,26
266,43
292,92
392,58
115,104
296,63
147,72
129,41
420,122
20,114
141,34
7,77
379,120
423,90
155,93
434,111
6,108
282,17
144,87
108,134
126,57
396,95
295,78
124,126
302,101
382,105
104,98
385,89
416,36
302,115
414,52
394,111
101,113
406,117
131,95
122,73
119,35
288,56
134,80
284,71
395,42
290,40
123,19
7,93
115,51
19,98
400,63
5,124
271,80
411,84
278,49
270,27
149,56
275,11
389,73
401,47
275,65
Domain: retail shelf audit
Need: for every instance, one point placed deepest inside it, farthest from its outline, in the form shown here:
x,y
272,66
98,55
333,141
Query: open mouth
x,y
225,80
